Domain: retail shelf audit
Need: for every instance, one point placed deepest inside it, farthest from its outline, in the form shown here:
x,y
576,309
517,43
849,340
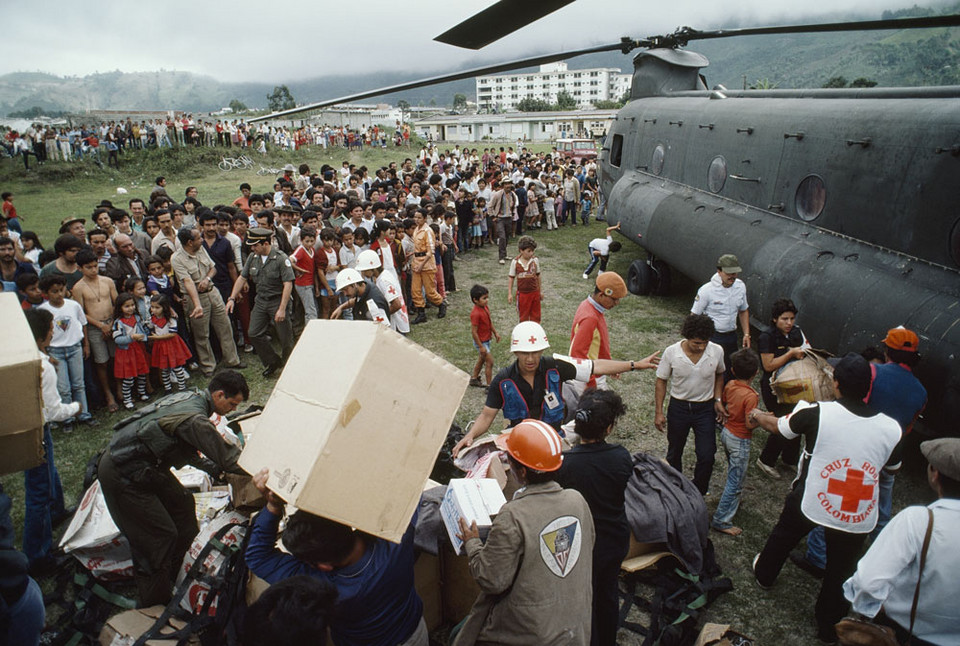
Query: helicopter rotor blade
x,y
624,45
685,34
498,20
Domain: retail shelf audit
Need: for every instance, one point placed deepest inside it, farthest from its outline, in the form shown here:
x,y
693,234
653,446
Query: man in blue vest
x,y
531,387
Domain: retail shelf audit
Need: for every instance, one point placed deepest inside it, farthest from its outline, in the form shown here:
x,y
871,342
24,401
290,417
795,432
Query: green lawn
x,y
638,327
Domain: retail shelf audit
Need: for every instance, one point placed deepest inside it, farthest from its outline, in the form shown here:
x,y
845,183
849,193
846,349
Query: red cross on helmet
x,y
534,444
528,337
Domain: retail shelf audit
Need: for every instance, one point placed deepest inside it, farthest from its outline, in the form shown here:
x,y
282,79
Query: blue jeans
x,y
681,417
885,503
43,502
738,458
817,547
24,619
70,377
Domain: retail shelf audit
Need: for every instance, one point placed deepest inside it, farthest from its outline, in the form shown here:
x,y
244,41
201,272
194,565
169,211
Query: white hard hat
x,y
348,276
528,337
368,260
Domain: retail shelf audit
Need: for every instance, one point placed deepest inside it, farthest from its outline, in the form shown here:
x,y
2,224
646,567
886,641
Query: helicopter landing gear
x,y
662,272
649,277
640,278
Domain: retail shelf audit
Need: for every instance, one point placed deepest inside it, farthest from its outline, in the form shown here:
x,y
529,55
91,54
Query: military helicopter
x,y
844,200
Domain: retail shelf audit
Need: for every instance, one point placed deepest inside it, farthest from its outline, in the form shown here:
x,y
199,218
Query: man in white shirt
x,y
887,575
724,299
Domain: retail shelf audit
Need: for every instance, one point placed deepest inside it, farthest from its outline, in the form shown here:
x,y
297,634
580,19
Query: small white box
x,y
474,500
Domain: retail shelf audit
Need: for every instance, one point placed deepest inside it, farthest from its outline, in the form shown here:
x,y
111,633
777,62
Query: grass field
x,y
638,327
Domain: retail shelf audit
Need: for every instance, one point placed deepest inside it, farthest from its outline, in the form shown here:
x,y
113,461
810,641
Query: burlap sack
x,y
808,379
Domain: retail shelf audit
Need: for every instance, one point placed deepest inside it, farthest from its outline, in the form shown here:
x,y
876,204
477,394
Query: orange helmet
x,y
534,444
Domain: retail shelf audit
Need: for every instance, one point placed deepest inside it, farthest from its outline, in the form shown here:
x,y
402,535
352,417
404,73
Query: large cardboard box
x,y
355,423
21,425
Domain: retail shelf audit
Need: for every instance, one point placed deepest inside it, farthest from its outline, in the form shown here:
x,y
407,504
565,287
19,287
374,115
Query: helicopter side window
x,y
656,162
717,174
811,197
616,150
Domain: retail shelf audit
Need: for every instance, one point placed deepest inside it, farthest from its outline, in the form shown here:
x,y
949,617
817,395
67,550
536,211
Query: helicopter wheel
x,y
640,278
662,278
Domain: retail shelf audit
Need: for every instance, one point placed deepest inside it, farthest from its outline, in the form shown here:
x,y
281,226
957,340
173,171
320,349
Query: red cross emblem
x,y
532,339
391,290
852,491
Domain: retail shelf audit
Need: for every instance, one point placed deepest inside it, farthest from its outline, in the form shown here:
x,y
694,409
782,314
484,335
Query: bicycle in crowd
x,y
229,163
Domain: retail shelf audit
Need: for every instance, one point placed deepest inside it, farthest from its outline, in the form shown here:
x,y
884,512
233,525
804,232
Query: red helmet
x,y
534,444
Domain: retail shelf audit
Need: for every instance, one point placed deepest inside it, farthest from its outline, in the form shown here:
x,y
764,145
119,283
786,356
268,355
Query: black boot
x,y
443,310
421,316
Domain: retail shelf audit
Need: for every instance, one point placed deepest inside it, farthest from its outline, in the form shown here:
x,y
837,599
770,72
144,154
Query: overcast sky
x,y
279,41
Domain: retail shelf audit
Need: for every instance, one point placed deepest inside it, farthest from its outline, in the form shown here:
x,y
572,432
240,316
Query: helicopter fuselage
x,y
845,201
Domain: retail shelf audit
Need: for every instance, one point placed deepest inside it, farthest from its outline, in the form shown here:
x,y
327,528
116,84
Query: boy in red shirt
x,y
481,327
305,269
739,398
525,270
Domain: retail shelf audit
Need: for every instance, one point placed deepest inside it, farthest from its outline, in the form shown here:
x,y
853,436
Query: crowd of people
x,y
160,288
71,143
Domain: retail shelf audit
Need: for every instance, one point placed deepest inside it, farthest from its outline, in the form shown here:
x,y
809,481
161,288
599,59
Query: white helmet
x,y
368,260
528,337
348,276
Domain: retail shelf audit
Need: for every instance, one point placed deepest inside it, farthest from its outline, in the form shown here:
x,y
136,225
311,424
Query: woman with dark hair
x,y
778,345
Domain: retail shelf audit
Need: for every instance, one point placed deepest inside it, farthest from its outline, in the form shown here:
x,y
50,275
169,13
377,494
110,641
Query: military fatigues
x,y
149,505
269,278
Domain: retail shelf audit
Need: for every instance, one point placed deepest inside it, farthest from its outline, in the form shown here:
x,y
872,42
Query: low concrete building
x,y
511,126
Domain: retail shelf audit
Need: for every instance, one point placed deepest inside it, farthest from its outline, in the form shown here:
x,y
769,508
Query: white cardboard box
x,y
474,500
354,425
21,425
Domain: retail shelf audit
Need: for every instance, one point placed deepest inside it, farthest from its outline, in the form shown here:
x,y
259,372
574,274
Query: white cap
x,y
348,276
528,337
368,260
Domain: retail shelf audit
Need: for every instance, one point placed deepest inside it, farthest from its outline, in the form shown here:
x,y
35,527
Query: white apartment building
x,y
586,86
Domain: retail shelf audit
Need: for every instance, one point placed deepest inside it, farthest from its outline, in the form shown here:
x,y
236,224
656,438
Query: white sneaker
x,y
586,277
502,261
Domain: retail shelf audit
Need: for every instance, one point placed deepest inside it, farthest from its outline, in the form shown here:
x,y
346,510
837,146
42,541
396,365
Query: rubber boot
x,y
421,316
443,310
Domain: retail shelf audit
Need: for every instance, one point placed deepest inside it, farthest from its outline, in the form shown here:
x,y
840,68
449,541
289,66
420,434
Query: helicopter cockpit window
x,y
616,150
811,197
656,162
717,175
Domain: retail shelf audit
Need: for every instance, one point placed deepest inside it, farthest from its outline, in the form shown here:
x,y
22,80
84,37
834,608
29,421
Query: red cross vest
x,y
841,488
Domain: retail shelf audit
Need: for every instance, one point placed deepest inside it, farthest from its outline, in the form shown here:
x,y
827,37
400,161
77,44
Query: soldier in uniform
x,y
272,273
147,502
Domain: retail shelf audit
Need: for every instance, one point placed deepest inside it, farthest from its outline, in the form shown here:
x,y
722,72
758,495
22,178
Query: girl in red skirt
x,y
130,363
169,352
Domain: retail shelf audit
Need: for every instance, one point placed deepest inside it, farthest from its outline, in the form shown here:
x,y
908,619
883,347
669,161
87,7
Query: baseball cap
x,y
729,264
943,455
900,338
611,284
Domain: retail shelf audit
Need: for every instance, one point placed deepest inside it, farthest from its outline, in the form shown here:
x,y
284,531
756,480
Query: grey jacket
x,y
534,572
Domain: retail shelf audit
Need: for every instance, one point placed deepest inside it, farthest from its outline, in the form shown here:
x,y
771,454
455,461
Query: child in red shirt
x,y
304,266
481,327
739,398
525,269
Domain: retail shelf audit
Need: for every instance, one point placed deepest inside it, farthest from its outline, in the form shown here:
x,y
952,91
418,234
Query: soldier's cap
x,y
258,234
900,338
943,455
729,264
66,222
611,284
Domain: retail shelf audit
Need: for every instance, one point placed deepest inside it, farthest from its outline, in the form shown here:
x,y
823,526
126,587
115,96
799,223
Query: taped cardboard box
x,y
124,629
21,426
475,500
358,446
